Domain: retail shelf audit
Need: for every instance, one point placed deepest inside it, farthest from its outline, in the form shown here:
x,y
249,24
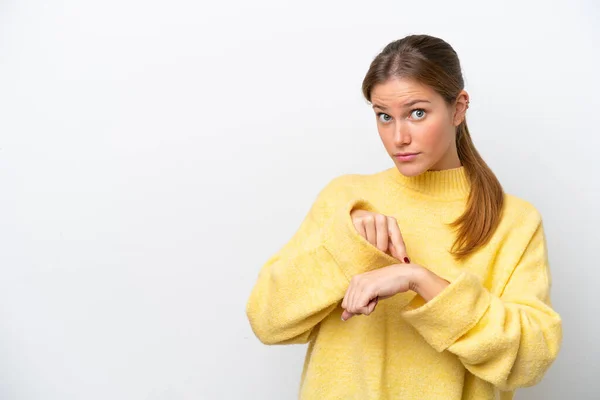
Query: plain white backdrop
x,y
153,155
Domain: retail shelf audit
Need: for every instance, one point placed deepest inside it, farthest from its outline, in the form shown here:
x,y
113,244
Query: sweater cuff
x,y
450,314
353,253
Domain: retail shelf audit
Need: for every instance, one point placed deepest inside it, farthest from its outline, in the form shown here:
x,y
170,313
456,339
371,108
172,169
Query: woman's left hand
x,y
367,289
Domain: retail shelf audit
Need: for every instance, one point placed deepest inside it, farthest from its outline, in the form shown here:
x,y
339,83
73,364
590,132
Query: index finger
x,y
397,240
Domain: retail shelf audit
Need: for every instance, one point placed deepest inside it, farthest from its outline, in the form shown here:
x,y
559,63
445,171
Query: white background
x,y
153,155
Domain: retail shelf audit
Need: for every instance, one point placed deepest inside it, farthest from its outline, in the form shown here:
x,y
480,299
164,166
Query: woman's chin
x,y
410,169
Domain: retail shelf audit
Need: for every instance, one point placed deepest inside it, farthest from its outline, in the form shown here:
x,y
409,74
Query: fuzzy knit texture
x,y
492,330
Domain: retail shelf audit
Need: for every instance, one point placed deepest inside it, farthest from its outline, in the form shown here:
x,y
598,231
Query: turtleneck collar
x,y
449,184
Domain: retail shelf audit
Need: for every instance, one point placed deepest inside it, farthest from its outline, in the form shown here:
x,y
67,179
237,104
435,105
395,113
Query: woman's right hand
x,y
381,231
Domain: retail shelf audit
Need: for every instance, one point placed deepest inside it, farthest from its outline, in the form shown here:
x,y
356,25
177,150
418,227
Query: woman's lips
x,y
405,157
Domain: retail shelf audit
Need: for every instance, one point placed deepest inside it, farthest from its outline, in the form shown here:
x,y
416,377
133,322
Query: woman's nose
x,y
401,135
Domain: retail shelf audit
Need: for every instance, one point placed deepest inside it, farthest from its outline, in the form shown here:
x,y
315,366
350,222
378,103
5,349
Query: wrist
x,y
427,284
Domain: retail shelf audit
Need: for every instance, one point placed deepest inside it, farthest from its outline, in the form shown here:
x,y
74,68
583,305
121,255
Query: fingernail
x,y
406,260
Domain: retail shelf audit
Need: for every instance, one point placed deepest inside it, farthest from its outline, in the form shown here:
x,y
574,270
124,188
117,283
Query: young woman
x,y
423,281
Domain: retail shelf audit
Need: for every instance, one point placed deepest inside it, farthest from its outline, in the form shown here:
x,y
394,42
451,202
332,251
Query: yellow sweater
x,y
490,331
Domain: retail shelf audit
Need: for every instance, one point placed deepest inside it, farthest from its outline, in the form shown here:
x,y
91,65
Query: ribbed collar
x,y
449,184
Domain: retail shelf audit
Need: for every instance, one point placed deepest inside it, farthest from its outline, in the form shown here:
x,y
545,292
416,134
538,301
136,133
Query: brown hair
x,y
433,62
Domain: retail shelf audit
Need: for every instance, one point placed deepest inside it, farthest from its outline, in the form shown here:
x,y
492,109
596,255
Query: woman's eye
x,y
383,117
418,114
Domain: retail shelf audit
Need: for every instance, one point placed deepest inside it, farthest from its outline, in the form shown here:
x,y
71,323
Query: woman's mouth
x,y
405,157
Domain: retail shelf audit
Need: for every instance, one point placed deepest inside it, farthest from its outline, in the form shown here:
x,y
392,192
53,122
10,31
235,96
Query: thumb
x,y
371,306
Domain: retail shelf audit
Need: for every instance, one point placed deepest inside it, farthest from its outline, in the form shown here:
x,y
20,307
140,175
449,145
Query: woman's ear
x,y
461,106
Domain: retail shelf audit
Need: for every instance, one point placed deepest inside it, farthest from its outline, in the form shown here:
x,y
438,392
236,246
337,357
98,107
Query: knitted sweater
x,y
489,332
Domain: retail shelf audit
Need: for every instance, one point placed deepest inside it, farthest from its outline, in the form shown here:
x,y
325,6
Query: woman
x,y
423,281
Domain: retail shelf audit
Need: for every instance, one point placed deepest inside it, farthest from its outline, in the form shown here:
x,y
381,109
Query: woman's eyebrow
x,y
406,105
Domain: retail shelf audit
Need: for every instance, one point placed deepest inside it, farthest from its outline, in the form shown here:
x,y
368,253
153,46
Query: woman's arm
x,y
304,281
509,339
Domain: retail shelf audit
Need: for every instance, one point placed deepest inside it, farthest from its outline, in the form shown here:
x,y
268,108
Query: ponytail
x,y
482,215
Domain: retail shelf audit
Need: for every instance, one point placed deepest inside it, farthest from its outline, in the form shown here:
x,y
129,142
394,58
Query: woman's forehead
x,y
401,93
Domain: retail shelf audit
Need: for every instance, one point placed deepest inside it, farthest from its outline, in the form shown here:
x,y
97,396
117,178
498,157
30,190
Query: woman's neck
x,y
447,184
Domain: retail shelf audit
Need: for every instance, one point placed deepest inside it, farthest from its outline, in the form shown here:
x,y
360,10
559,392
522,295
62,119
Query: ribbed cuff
x,y
450,314
353,253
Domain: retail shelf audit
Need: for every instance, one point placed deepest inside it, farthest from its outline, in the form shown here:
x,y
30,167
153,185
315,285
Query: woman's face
x,y
417,127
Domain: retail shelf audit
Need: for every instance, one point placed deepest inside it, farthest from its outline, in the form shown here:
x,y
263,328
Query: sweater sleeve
x,y
509,339
306,279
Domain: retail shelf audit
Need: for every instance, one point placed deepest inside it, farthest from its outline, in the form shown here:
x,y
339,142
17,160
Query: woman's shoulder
x,y
355,181
518,206
348,187
519,212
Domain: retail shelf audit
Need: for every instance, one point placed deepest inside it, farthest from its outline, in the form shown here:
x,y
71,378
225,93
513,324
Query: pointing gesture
x,y
382,232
